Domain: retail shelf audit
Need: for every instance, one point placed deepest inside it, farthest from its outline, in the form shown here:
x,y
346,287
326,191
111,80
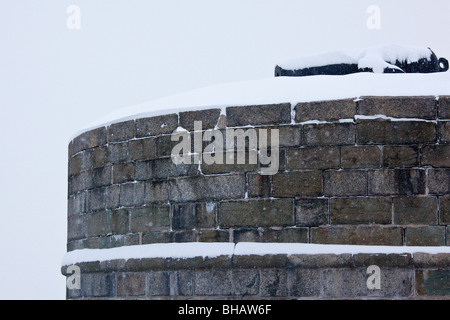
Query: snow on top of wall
x,y
373,57
284,90
201,249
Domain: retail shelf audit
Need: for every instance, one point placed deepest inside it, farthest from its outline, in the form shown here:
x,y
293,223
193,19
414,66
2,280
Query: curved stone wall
x,y
368,171
346,176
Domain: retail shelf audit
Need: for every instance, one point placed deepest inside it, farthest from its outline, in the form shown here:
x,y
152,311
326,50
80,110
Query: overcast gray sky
x,y
54,80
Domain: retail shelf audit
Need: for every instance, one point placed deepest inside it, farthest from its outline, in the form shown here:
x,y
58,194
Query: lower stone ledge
x,y
414,275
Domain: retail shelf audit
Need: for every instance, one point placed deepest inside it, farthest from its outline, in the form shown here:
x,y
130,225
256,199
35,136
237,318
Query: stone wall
x,y
346,176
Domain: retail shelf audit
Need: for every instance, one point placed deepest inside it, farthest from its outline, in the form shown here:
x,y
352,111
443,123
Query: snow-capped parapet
x,y
378,59
283,90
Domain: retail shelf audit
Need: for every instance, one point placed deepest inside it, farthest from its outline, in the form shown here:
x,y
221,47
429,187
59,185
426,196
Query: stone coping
x,y
344,257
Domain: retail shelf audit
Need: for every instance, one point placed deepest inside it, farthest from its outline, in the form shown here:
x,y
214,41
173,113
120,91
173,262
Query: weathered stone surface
x,y
142,149
98,224
444,210
320,261
208,118
436,156
76,227
325,110
433,282
396,182
259,115
121,131
313,158
183,216
87,140
208,188
311,212
370,210
425,236
400,156
212,282
395,132
143,170
99,157
245,282
288,135
258,185
156,191
184,236
444,131
164,168
246,235
399,107
118,152
98,285
360,157
213,236
232,162
444,107
415,210
76,204
157,237
205,215
361,235
123,172
329,134
297,183
438,181
273,283
184,283
158,283
256,213
132,194
101,177
130,284
345,183
304,282
428,260
382,260
152,218
155,126
345,283
292,235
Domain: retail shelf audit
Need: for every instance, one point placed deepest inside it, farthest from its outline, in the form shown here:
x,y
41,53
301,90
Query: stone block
x,y
395,132
345,183
87,140
291,235
444,210
121,131
151,218
399,107
212,283
246,235
158,283
118,152
155,126
297,183
205,215
213,235
156,191
320,261
313,158
258,115
358,235
400,156
360,157
132,194
382,260
329,134
433,282
311,212
183,216
245,282
101,177
95,285
207,188
396,182
273,283
76,228
76,204
415,210
258,185
142,149
438,181
444,107
325,110
256,213
436,156
444,131
304,282
370,210
143,170
209,119
164,168
425,236
130,284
